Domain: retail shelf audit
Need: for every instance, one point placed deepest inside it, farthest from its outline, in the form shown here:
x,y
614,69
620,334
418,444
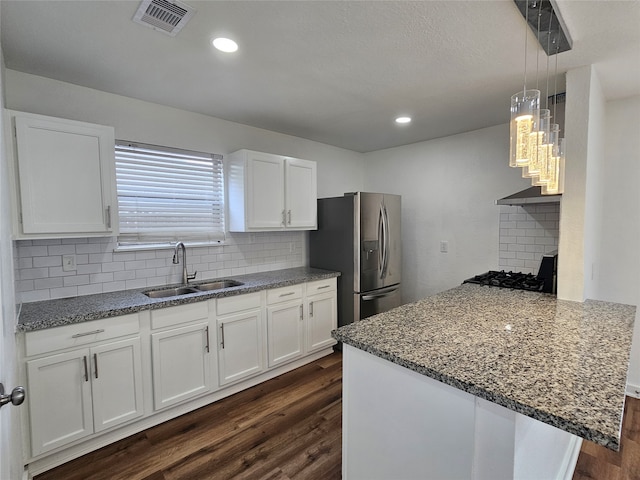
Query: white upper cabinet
x,y
271,192
65,177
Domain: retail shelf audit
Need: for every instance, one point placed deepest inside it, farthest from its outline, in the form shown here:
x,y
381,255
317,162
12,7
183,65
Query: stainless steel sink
x,y
185,290
217,285
170,292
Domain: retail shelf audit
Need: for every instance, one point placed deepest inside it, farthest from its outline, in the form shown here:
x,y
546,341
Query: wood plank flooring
x,y
286,428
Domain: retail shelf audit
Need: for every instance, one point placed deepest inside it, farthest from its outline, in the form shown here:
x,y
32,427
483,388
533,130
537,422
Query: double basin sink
x,y
187,289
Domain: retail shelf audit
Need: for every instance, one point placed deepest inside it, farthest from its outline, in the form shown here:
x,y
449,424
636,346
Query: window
x,y
167,195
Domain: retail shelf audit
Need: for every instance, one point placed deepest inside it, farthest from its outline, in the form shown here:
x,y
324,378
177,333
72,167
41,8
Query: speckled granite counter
x,y
55,313
562,363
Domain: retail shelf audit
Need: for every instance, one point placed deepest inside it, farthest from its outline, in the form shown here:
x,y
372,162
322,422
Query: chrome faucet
x,y
185,276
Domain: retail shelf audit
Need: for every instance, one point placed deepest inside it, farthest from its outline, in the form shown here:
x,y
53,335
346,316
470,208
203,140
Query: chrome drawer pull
x,y
287,294
323,286
94,332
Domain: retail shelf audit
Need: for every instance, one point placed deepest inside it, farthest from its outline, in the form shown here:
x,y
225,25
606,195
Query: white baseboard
x,y
633,390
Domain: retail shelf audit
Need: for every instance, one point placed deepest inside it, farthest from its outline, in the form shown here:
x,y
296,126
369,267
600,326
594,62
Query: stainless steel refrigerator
x,y
359,235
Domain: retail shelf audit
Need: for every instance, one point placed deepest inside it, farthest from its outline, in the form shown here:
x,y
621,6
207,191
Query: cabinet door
x,y
180,364
240,346
301,194
66,174
265,191
322,318
59,395
116,383
284,332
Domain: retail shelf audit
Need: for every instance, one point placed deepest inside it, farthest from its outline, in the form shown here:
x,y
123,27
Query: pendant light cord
x,y
526,31
548,55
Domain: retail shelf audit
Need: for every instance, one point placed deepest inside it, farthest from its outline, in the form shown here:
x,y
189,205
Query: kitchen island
x,y
480,382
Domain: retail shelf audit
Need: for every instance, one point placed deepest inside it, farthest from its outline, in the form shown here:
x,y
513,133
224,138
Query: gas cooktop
x,y
515,280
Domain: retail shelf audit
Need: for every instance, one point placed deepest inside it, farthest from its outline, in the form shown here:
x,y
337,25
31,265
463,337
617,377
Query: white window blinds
x,y
167,195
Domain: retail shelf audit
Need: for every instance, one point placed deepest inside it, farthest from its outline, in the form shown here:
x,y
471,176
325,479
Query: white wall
x,y
618,271
449,187
579,210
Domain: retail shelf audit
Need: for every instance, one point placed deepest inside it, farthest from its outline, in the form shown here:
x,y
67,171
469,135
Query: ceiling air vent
x,y
164,16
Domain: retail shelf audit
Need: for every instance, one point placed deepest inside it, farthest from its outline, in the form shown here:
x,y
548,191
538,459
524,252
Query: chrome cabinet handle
x,y
95,361
289,217
287,294
323,286
311,309
222,335
86,369
206,333
108,217
301,312
93,332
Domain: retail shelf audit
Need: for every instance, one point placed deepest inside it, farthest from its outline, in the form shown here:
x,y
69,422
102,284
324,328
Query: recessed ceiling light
x,y
225,44
403,120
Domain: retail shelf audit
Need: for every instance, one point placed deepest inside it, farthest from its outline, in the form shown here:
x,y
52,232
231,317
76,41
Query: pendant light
x,y
535,143
525,115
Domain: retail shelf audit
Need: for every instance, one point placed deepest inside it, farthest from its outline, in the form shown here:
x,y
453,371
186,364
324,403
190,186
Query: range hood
x,y
529,196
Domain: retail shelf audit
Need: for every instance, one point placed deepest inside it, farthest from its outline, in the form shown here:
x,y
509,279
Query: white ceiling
x,y
337,72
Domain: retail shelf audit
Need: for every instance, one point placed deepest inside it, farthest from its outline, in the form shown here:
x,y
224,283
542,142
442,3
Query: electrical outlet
x,y
444,246
68,263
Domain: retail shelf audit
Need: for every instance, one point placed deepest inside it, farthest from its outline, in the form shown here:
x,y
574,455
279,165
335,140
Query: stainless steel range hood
x,y
529,196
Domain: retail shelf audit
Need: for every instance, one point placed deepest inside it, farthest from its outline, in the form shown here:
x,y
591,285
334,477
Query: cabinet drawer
x,y
238,303
321,286
58,338
167,317
284,294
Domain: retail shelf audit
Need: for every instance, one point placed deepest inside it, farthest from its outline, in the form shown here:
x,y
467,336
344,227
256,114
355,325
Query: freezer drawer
x,y
377,301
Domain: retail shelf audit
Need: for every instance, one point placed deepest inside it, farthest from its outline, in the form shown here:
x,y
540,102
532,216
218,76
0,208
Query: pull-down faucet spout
x,y
185,276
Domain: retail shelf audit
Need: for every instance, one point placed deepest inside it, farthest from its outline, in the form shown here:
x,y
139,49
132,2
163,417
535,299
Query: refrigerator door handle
x,y
384,241
387,292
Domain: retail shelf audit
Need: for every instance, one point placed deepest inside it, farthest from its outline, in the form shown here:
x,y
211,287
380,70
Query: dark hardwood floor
x,y
286,428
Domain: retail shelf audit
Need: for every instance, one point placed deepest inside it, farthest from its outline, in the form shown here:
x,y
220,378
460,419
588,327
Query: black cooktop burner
x,y
515,280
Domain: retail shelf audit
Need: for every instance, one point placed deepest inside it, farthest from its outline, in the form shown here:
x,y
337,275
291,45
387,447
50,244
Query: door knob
x,y
16,397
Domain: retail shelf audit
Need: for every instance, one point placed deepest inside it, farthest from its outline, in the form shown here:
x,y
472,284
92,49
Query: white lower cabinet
x,y
79,392
285,324
181,357
240,337
321,319
180,364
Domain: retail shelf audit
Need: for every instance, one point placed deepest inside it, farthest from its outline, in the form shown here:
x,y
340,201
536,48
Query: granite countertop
x,y
560,362
65,311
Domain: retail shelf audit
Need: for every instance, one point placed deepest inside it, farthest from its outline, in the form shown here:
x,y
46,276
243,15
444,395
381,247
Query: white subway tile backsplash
x,y
54,261
39,274
61,249
526,233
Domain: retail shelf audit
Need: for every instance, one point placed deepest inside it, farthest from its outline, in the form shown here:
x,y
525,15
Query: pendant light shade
x,y
525,115
537,140
556,171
